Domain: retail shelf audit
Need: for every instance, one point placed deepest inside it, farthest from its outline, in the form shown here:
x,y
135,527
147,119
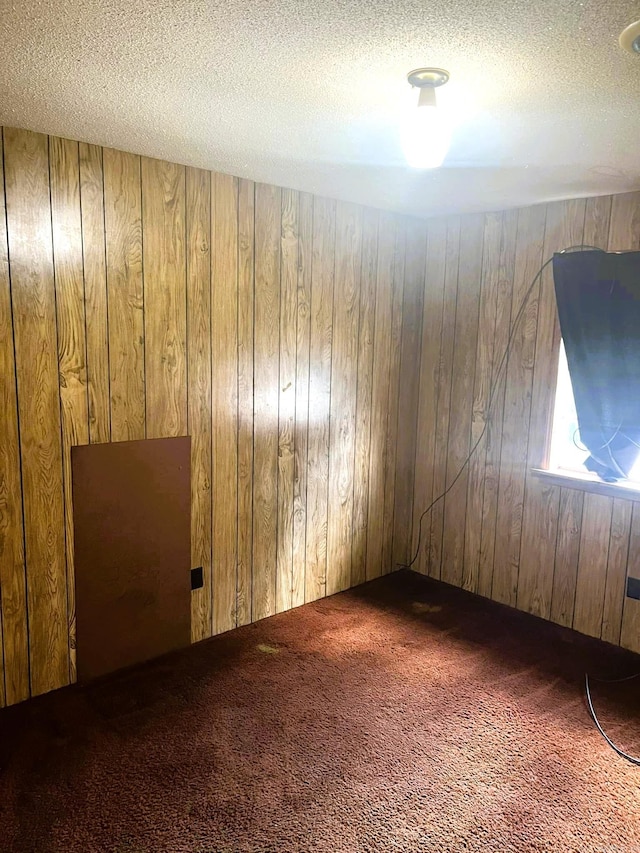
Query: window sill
x,y
587,483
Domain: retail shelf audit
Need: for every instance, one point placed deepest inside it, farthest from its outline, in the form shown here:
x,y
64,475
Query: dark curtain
x,y
598,295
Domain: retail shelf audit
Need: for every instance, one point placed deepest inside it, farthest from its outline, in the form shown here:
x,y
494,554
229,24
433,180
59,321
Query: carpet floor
x,y
401,716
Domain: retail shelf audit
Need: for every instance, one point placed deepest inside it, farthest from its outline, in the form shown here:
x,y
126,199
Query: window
x,y
567,454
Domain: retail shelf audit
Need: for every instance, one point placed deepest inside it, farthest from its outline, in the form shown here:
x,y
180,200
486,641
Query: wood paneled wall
x,y
140,298
561,553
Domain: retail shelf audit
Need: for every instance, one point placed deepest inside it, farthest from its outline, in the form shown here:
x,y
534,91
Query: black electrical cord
x,y
492,393
631,758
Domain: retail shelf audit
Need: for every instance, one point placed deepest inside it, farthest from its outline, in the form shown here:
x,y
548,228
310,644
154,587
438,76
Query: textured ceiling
x,y
310,93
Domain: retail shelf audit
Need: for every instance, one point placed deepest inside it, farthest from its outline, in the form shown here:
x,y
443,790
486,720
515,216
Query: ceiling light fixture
x,y
426,134
630,38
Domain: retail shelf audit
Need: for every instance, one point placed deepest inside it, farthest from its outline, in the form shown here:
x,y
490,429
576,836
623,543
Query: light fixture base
x,y
630,38
428,78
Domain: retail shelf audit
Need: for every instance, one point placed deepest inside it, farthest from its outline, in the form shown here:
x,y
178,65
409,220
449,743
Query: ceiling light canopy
x,y
630,38
426,133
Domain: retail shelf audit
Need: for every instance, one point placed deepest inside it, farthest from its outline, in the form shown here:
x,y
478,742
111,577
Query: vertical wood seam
x,y
501,365
626,572
143,291
295,397
61,418
606,565
575,585
19,431
277,495
104,226
446,484
528,295
548,442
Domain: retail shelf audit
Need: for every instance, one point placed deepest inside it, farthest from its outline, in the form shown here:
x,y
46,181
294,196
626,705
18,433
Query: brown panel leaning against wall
x,y
133,547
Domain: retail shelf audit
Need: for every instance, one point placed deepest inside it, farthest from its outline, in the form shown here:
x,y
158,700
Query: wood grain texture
x,y
364,390
287,396
464,363
301,437
428,394
504,313
322,280
555,552
198,287
224,398
64,166
564,228
344,376
165,322
289,336
268,206
95,291
125,297
624,234
566,557
246,205
483,383
615,590
502,584
404,328
443,405
380,394
26,164
404,385
630,628
592,564
14,686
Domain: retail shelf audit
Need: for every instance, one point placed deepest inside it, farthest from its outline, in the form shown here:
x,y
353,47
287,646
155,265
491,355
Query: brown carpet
x,y
402,716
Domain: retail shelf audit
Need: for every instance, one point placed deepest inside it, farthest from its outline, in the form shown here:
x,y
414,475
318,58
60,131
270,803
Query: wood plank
x,y
198,265
287,396
224,397
393,397
404,394
502,583
66,223
364,394
624,234
125,298
595,233
344,376
493,453
566,559
490,276
95,291
464,361
614,593
380,392
433,302
14,685
564,228
301,437
597,221
34,322
246,194
445,374
630,631
165,321
592,564
322,278
268,205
